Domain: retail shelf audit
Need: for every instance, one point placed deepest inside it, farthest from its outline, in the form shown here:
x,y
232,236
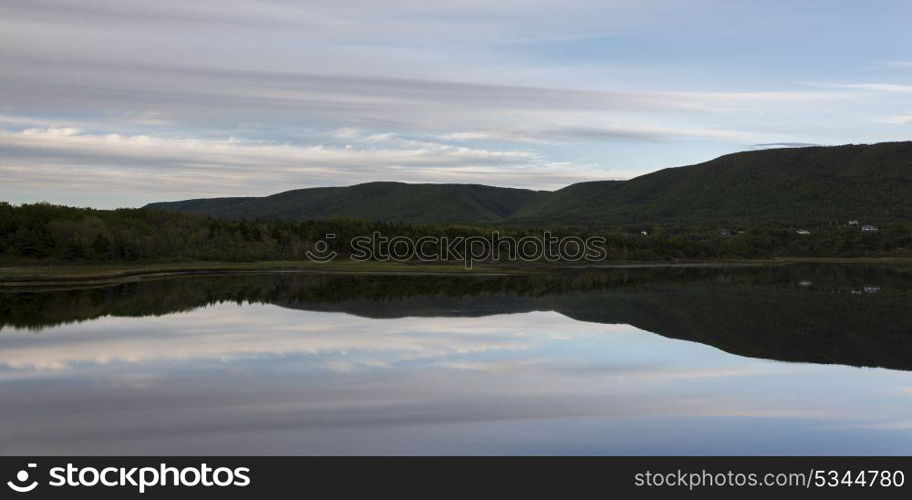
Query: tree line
x,y
51,234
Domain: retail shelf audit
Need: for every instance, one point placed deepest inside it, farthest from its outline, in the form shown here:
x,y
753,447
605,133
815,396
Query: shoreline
x,y
49,275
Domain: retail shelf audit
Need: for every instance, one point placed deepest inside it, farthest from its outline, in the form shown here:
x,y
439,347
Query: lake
x,y
798,359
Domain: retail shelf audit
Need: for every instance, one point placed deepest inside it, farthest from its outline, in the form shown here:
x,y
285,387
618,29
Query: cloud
x,y
897,64
870,87
156,167
773,145
601,133
897,120
142,100
205,96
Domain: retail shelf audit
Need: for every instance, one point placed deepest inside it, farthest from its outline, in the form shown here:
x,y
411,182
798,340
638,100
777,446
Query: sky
x,y
107,103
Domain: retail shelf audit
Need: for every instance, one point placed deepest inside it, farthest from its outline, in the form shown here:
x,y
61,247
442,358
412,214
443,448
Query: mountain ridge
x,y
388,201
807,184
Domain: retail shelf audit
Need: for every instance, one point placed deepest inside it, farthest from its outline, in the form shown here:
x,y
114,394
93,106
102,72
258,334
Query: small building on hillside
x,y
868,227
853,222
803,231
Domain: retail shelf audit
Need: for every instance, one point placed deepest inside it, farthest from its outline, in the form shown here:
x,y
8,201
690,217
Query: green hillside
x,y
871,183
385,201
814,184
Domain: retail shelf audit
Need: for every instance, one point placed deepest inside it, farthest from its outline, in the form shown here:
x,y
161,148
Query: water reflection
x,y
325,365
810,313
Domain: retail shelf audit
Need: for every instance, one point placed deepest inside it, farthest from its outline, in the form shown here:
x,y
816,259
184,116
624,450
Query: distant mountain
x,y
386,201
802,185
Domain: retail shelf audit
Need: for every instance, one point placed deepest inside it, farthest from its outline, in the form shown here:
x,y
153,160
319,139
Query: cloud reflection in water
x,y
264,379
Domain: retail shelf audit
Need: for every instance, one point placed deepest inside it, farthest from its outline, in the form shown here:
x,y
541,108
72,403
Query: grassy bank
x,y
109,272
45,274
36,275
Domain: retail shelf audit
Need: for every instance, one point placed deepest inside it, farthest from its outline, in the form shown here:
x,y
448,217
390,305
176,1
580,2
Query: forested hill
x,y
870,183
802,185
384,201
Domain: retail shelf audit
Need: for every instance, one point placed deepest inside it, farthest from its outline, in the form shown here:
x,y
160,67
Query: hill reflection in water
x,y
853,315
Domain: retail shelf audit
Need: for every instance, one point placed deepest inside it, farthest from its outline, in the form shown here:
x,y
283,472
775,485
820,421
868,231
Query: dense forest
x,y
51,234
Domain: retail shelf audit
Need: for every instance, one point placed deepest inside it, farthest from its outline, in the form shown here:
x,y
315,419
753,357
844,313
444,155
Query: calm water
x,y
792,360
